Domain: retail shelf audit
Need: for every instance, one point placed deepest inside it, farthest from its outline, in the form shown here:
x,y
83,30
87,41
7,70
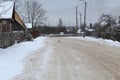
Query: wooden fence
x,y
9,38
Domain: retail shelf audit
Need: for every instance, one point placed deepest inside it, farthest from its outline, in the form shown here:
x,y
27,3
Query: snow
x,y
103,23
28,25
11,58
44,63
90,30
6,9
116,26
100,40
79,31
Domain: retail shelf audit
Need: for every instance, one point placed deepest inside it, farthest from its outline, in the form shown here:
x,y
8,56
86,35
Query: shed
x,y
10,22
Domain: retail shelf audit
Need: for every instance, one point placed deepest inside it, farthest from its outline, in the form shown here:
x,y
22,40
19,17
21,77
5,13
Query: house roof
x,y
19,20
6,9
90,30
103,23
79,31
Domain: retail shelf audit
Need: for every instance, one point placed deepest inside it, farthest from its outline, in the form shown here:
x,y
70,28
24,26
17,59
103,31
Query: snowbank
x,y
100,40
11,58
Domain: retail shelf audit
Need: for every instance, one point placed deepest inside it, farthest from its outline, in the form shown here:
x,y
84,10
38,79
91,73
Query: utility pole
x,y
80,20
84,19
76,18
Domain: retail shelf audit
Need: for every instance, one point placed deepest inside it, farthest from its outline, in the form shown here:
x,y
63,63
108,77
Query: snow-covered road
x,y
62,59
72,59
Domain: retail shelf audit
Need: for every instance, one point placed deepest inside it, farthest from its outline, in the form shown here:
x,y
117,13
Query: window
x,y
3,22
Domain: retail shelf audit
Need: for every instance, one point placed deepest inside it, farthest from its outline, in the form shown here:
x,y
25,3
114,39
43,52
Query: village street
x,y
72,59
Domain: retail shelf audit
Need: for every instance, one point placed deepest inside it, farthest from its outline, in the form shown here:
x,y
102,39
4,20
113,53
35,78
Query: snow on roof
x,y
103,23
6,9
28,25
90,30
79,31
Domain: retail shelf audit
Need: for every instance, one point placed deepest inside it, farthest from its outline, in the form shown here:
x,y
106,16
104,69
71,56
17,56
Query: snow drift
x,y
11,58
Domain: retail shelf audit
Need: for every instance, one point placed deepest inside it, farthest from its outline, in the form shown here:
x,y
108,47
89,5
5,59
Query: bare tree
x,y
104,26
33,12
60,23
108,19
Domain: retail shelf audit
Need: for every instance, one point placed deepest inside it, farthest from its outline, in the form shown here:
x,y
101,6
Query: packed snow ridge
x,y
11,59
100,40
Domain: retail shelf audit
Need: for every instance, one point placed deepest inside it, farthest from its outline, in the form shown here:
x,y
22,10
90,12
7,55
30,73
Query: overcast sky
x,y
65,9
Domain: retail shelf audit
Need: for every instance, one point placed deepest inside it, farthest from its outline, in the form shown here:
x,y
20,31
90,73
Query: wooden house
x,y
11,25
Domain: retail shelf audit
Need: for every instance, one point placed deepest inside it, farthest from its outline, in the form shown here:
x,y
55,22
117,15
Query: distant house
x,y
11,25
70,29
29,33
90,32
34,32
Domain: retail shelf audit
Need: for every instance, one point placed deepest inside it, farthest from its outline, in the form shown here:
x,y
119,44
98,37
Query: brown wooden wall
x,y
6,25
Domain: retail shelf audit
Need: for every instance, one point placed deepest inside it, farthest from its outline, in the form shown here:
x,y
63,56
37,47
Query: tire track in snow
x,y
59,69
36,64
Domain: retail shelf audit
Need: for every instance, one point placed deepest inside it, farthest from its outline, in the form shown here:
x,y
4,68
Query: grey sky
x,y
65,9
